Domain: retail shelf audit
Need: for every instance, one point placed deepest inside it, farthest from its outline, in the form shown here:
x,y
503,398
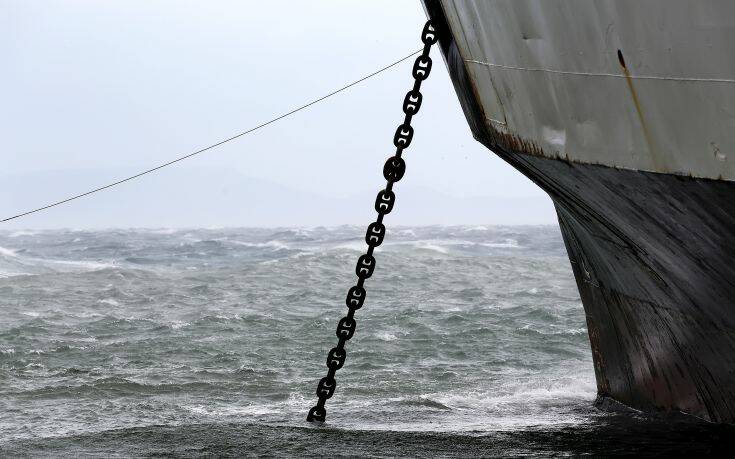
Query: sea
x,y
210,342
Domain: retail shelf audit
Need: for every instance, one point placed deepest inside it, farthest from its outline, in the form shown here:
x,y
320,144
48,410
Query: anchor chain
x,y
393,171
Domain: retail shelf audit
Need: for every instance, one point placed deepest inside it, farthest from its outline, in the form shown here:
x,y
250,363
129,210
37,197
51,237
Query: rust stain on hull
x,y
639,111
513,142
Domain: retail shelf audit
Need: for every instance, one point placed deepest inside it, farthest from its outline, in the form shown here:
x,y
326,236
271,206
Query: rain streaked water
x,y
143,342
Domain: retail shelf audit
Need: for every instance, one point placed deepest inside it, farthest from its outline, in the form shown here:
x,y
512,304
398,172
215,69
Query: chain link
x,y
393,171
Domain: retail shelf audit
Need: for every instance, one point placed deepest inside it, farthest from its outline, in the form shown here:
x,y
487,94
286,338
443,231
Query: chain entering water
x,y
393,171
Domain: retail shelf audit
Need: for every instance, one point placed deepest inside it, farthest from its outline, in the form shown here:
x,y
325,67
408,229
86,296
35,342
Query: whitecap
x,y
4,274
224,317
438,245
8,252
297,401
302,232
432,247
274,244
357,246
177,324
162,231
385,336
507,244
231,410
22,233
475,228
574,331
512,398
110,301
81,264
89,339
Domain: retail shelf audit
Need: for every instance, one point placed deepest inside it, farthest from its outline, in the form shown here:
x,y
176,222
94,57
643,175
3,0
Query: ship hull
x,y
653,258
654,267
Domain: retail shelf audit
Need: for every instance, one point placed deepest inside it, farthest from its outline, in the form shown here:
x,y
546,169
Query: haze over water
x,y
472,341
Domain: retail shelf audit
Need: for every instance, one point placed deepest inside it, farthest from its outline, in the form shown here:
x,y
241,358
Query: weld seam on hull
x,y
604,75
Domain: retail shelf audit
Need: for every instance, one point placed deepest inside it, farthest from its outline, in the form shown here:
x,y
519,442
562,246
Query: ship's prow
x,y
624,112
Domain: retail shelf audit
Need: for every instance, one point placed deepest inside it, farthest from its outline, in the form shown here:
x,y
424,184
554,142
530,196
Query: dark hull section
x,y
654,259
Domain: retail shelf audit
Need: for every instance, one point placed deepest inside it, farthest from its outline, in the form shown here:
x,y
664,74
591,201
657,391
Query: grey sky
x,y
93,91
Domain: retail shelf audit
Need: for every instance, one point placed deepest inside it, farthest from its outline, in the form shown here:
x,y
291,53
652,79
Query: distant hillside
x,y
177,198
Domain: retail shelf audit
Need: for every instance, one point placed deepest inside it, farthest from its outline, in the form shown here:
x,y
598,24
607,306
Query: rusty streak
x,y
639,111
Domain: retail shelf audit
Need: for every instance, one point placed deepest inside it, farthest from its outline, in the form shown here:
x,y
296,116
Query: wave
x,y
164,231
275,244
440,245
210,343
475,229
116,385
406,232
232,410
13,264
444,244
109,301
83,265
386,336
507,244
537,394
571,331
23,233
431,247
5,274
8,252
357,246
423,402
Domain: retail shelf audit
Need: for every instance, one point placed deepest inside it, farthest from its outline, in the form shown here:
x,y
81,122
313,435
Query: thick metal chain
x,y
393,171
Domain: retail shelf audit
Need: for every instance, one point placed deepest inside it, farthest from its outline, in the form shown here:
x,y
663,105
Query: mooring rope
x,y
214,145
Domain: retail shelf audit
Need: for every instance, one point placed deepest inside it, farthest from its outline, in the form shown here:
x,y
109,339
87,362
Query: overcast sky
x,y
93,91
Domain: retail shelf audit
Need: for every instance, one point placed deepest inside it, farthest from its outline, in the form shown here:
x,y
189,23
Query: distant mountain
x,y
184,197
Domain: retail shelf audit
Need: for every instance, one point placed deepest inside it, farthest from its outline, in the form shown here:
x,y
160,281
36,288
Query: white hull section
x,y
547,74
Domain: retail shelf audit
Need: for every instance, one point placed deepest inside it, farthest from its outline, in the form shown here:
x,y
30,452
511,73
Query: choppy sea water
x,y
472,342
